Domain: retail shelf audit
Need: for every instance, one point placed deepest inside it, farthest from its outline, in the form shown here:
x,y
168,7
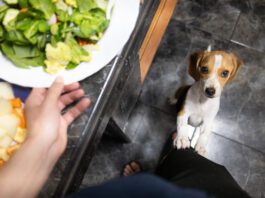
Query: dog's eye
x,y
225,73
204,70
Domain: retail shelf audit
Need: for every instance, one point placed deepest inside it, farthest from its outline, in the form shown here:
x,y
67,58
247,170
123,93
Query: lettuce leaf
x,y
23,3
11,2
16,37
1,33
86,5
78,54
23,56
31,14
45,6
102,4
26,51
3,9
91,24
30,28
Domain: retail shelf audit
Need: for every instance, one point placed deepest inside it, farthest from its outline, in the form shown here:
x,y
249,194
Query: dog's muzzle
x,y
210,91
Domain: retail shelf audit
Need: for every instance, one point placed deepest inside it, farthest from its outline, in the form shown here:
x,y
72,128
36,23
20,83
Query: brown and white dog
x,y
211,70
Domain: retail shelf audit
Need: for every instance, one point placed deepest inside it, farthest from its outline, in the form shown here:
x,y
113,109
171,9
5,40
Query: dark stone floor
x,y
238,138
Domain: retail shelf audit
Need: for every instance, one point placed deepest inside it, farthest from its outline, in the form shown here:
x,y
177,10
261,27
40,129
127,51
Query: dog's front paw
x,y
201,149
181,142
201,144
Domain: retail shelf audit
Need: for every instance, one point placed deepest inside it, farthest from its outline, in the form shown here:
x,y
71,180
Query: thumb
x,y
55,91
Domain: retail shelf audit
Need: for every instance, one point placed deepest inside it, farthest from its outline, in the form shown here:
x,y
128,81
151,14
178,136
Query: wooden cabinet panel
x,y
155,34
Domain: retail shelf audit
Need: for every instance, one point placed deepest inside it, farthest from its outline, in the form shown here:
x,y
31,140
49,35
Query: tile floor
x,y
238,139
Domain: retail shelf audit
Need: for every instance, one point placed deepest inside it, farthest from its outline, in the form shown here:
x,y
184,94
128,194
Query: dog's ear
x,y
237,63
195,59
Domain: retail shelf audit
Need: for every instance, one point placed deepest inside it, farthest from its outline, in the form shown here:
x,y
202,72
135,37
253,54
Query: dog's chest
x,y
200,111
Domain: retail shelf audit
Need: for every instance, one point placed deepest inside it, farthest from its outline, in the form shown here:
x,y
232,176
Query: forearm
x,y
26,172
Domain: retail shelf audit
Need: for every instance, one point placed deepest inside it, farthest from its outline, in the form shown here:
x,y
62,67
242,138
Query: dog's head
x,y
213,69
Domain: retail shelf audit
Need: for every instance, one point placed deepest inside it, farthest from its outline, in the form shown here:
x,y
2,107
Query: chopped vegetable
x,y
61,5
57,57
2,133
32,56
10,15
5,141
6,91
20,135
71,3
78,54
13,130
45,6
12,149
11,1
10,123
16,103
5,107
85,5
3,155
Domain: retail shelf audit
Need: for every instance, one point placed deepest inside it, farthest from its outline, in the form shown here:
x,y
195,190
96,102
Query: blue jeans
x,y
138,186
183,171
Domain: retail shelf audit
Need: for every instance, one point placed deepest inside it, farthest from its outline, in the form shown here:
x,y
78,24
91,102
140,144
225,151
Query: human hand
x,y
29,168
45,121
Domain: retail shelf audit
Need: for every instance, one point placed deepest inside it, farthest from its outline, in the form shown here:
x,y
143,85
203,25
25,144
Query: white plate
x,y
123,19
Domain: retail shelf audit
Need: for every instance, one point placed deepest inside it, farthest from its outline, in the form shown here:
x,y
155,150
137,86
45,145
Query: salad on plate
x,y
53,34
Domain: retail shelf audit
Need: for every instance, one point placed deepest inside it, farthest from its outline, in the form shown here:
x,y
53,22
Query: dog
x,y
211,70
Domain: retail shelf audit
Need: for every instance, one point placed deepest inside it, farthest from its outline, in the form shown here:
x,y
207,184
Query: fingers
x,y
75,111
70,97
54,92
71,87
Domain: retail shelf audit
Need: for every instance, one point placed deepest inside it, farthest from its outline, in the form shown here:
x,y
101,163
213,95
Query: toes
x,y
127,170
126,173
135,167
131,169
201,150
177,143
181,142
185,143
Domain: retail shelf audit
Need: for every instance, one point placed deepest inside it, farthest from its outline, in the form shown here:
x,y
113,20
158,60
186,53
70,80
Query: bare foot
x,y
131,169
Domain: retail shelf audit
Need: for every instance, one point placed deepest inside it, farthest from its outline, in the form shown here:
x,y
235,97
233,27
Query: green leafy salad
x,y
51,33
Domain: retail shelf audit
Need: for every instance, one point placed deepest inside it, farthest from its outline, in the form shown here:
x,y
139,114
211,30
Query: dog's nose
x,y
210,91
